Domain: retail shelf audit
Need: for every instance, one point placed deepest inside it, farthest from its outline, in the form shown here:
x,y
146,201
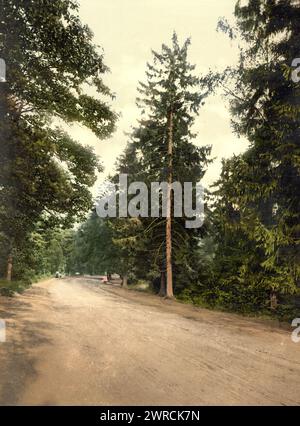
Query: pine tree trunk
x,y
9,267
3,101
124,281
162,290
169,289
4,141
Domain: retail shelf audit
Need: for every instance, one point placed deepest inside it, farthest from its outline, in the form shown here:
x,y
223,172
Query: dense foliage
x,y
246,256
257,214
44,175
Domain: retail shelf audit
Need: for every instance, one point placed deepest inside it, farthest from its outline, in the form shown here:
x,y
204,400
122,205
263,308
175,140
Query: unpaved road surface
x,y
71,342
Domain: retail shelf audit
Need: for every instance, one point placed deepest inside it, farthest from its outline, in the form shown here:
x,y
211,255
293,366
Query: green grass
x,y
141,285
9,288
284,313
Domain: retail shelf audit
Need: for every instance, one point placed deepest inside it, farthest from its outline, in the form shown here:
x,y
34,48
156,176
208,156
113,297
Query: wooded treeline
x,y
246,256
45,176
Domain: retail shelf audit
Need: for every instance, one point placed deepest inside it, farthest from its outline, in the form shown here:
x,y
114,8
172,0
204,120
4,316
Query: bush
x,y
287,312
9,288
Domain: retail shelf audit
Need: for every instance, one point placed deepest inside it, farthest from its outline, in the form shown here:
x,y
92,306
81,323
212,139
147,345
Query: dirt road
x,y
71,342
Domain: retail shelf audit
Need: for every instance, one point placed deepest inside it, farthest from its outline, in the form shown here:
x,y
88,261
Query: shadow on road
x,y
18,354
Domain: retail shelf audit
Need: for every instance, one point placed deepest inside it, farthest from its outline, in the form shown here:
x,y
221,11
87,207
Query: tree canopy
x,y
51,64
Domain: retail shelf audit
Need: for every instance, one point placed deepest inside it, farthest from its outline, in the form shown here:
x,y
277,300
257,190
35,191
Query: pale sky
x,y
128,30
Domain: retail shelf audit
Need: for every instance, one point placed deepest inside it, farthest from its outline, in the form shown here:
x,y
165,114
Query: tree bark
x,y
4,142
124,281
162,290
169,289
9,267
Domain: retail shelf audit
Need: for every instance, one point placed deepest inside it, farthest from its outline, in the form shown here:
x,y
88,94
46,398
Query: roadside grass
x,y
9,288
142,286
285,313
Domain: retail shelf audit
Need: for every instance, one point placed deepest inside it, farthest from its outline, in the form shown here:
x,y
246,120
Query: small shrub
x,y
9,288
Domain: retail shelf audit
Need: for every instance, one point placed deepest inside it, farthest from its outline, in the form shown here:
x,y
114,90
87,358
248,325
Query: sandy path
x,y
69,342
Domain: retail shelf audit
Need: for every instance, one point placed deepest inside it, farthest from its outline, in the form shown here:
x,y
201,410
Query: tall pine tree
x,y
170,100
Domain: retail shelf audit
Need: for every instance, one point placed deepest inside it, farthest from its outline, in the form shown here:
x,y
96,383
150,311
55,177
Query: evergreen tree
x,y
170,101
259,204
91,249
